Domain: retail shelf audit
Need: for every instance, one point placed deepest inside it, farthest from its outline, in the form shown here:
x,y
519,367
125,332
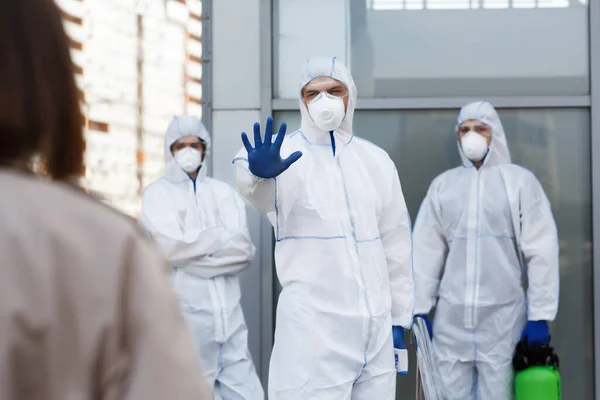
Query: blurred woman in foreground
x,y
86,311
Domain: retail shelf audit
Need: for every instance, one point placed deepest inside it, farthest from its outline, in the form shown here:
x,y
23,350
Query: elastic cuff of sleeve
x,y
236,159
403,321
533,316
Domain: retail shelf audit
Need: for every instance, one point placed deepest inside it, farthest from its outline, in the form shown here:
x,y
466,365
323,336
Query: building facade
x,y
138,63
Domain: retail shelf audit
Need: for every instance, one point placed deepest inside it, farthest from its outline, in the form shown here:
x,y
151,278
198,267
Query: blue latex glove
x,y
536,333
264,159
400,353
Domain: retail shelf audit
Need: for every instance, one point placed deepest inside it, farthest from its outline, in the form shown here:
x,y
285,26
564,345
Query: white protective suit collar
x,y
485,112
332,68
185,125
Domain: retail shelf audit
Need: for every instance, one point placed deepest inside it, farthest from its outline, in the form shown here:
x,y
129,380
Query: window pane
x,y
422,48
554,145
304,29
404,48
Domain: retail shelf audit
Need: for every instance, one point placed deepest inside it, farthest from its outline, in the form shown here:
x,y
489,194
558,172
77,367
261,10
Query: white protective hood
x,y
485,112
327,67
186,125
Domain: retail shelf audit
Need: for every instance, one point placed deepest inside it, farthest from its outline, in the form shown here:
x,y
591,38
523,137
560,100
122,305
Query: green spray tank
x,y
536,373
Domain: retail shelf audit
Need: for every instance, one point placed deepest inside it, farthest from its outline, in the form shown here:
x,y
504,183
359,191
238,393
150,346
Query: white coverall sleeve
x,y
429,253
238,251
395,232
259,192
180,246
539,244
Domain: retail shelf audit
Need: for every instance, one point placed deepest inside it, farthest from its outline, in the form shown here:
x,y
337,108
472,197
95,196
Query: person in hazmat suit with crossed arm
x,y
200,225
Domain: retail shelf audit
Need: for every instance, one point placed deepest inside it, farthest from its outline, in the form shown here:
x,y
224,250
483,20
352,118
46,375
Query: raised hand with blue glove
x,y
264,159
400,352
536,333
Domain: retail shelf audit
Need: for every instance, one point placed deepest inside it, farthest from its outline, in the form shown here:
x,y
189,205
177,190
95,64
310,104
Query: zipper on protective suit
x,y
472,249
215,297
364,301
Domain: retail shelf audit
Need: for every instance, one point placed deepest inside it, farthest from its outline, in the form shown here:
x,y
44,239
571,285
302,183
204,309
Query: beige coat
x,y
86,309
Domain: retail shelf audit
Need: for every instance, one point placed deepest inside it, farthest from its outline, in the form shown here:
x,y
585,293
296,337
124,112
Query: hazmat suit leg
x,y
372,376
479,358
199,317
375,387
459,378
337,392
378,377
330,355
494,359
213,312
302,366
495,381
237,363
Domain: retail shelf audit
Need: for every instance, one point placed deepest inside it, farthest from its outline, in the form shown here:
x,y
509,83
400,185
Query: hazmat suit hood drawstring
x,y
179,127
331,68
483,111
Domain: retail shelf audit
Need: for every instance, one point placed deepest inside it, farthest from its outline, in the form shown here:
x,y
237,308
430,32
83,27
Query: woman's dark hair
x,y
40,115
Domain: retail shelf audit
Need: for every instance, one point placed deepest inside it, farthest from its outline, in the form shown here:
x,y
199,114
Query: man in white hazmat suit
x,y
200,224
485,243
343,251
